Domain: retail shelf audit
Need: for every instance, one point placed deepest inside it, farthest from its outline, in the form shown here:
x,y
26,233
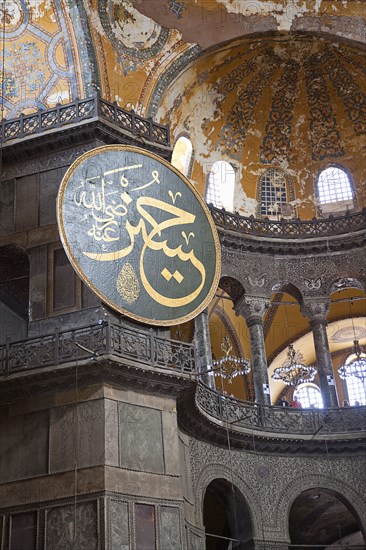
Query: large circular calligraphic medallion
x,y
139,235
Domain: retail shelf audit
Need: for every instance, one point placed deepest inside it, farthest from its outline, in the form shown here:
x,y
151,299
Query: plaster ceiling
x,y
340,336
210,22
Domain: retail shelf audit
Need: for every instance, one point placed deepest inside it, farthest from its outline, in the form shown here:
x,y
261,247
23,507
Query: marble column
x,y
252,308
316,311
203,348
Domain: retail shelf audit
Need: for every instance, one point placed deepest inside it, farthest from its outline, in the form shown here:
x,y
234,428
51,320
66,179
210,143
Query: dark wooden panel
x,y
27,198
7,206
49,183
23,531
63,281
145,527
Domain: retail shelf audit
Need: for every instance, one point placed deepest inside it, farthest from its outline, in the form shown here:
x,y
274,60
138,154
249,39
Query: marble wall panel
x,y
23,446
111,432
170,532
141,445
119,525
69,527
85,426
171,446
27,197
7,207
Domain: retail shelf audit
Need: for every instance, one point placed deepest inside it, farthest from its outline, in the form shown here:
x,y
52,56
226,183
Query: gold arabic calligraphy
x,y
108,205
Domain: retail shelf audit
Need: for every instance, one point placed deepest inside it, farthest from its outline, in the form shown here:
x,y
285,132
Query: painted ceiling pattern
x,y
40,66
295,103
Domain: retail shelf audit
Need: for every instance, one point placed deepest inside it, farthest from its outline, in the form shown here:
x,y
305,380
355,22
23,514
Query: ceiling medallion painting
x,y
14,15
131,33
348,334
38,60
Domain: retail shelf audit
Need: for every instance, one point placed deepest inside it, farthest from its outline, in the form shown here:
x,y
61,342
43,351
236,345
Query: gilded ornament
x,y
128,285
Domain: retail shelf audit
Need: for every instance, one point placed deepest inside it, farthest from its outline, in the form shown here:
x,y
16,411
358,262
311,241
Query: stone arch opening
x,y
322,517
226,517
14,293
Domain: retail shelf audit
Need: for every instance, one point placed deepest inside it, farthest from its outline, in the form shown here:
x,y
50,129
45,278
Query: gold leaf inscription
x,y
127,283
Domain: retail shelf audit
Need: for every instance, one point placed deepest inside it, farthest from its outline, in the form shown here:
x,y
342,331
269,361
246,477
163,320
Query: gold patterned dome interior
x,y
294,103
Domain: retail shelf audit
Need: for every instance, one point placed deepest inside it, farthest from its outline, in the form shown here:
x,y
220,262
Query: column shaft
x,y
259,362
203,348
324,362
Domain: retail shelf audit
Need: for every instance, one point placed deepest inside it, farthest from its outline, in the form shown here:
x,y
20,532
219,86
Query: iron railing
x,y
289,229
80,110
143,348
285,420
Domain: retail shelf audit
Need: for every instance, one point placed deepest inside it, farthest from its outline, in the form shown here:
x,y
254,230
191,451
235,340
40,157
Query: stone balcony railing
x,y
289,229
83,110
242,416
143,349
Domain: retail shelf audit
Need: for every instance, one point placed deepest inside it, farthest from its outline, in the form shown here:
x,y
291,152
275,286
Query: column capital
x,y
316,310
252,308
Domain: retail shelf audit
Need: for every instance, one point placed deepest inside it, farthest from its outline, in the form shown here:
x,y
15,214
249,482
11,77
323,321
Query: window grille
x,y
309,396
221,185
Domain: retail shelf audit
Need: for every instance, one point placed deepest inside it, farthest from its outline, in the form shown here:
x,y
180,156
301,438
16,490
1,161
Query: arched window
x,y
182,155
274,194
356,387
309,396
334,190
221,185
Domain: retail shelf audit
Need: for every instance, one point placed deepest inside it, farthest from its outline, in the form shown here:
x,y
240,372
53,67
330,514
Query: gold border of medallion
x,y
85,279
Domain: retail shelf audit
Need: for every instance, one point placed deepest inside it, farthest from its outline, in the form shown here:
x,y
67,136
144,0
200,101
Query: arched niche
x,y
322,517
14,293
229,330
283,325
226,517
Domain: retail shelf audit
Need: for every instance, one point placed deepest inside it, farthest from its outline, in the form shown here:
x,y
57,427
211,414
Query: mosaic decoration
x,y
276,143
233,134
232,80
176,7
349,91
169,75
325,138
348,334
132,34
39,55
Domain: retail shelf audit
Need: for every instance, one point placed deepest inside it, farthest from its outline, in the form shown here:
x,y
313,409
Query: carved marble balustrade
x,y
244,416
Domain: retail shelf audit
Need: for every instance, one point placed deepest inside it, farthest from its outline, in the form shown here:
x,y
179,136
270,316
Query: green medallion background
x,y
139,235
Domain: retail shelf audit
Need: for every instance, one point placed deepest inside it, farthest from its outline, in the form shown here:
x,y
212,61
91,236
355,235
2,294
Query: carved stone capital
x,y
252,308
316,310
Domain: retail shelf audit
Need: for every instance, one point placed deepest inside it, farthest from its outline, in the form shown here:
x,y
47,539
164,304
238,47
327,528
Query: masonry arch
x,y
214,472
330,490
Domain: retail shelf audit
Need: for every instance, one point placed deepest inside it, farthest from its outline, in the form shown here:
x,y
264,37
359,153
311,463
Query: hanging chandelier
x,y
356,367
293,372
229,366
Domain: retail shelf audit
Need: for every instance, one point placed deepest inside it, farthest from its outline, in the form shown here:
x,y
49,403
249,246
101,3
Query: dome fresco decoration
x,y
134,36
41,65
294,103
